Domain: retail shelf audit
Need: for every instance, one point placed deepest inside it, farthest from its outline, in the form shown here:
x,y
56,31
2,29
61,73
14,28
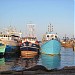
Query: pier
x,y
41,71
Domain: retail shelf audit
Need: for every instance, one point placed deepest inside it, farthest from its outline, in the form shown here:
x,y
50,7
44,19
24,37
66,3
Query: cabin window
x,y
47,35
55,36
4,35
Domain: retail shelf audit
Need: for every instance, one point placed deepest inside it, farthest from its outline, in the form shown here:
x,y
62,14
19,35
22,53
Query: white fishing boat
x,y
10,35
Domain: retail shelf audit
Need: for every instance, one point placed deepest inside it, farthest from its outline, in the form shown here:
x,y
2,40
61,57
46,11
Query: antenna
x,y
50,28
31,30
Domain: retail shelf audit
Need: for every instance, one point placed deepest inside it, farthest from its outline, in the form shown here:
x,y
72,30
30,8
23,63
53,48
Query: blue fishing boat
x,y
51,43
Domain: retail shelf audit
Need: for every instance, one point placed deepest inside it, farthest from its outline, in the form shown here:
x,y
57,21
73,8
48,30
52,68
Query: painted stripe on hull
x,y
28,49
28,53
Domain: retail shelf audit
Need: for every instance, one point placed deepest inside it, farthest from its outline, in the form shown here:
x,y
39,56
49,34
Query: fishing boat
x,y
66,42
51,43
28,49
2,49
30,45
11,38
9,35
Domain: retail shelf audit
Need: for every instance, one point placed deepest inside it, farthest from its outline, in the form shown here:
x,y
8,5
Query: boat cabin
x,y
51,36
29,39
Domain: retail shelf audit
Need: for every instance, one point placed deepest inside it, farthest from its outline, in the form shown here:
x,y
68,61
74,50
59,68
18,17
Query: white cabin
x,y
51,36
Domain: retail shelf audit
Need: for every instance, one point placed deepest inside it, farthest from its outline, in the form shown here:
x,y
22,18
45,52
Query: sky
x,y
60,13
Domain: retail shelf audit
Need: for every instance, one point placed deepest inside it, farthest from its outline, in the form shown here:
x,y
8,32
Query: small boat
x,y
51,43
66,42
2,49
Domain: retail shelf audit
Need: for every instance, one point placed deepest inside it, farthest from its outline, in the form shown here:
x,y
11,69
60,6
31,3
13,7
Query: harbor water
x,y
66,58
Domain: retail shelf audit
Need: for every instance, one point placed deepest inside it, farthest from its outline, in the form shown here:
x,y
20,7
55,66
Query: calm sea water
x,y
66,58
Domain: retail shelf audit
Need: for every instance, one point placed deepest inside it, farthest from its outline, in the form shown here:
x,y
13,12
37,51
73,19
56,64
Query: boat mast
x,y
12,31
50,28
31,30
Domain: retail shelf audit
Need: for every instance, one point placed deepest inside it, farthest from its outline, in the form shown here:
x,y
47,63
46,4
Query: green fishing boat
x,y
2,49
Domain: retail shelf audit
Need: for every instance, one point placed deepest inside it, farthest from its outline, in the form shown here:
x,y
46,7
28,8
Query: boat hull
x,y
2,50
51,47
12,50
28,51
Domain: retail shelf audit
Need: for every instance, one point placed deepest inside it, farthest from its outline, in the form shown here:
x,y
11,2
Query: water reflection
x,y
14,63
2,61
29,62
50,62
6,63
67,58
74,58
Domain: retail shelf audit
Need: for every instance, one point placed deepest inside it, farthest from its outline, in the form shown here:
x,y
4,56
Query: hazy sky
x,y
60,13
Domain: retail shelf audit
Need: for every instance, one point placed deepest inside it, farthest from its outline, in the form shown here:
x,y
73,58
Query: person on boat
x,y
27,43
